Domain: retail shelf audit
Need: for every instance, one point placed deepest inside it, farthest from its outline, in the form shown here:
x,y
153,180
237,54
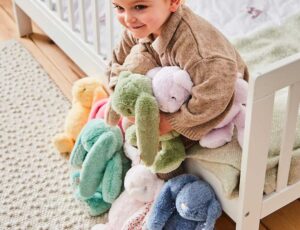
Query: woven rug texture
x,y
35,190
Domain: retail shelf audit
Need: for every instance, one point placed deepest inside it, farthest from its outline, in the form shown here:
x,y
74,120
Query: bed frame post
x,y
22,20
254,157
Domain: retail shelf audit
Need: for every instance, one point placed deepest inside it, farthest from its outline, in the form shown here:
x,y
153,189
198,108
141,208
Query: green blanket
x,y
258,50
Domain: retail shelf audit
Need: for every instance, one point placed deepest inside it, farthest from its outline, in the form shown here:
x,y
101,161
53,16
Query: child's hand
x,y
164,125
110,116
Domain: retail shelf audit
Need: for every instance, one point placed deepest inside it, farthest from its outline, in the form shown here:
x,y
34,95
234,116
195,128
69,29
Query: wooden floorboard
x,y
59,67
287,217
64,72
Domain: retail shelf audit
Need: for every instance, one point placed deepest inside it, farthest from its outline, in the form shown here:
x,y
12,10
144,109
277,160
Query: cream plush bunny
x,y
141,188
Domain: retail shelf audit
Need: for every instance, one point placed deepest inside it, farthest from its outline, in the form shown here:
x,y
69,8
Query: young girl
x,y
167,33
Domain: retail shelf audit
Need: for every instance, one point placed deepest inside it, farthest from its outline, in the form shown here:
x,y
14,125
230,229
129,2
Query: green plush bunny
x,y
98,152
133,96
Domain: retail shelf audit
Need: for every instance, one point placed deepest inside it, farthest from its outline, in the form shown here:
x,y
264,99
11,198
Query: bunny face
x,y
94,129
171,87
129,88
83,90
141,183
192,206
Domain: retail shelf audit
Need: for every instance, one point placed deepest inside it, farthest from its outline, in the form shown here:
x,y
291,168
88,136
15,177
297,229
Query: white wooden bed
x,y
251,205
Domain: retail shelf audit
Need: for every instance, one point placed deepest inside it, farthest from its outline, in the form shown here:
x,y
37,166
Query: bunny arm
x,y
95,162
213,213
163,208
78,153
97,205
147,127
170,156
112,179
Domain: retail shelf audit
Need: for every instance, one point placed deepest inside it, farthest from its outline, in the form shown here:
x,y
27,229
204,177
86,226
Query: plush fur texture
x,y
133,97
98,112
98,151
170,154
141,188
178,84
185,202
223,132
84,93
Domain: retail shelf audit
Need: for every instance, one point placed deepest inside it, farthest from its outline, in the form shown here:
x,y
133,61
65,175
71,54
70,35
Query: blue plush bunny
x,y
98,152
185,203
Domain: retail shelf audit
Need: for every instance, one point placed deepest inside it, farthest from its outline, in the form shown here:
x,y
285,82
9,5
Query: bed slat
x,y
49,4
96,26
82,20
109,27
59,9
71,14
288,137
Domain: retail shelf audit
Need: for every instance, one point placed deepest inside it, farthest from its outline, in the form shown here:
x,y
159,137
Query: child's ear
x,y
174,5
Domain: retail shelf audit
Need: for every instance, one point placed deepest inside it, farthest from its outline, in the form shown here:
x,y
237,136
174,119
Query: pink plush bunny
x,y
98,112
141,188
235,117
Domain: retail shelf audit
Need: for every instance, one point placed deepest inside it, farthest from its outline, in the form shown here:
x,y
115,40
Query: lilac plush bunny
x,y
171,86
223,132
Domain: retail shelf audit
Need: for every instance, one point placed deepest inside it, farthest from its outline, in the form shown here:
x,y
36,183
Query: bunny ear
x,y
95,162
163,208
152,72
112,179
183,79
147,127
78,153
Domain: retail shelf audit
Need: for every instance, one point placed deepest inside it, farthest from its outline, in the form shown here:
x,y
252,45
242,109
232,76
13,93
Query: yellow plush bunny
x,y
85,92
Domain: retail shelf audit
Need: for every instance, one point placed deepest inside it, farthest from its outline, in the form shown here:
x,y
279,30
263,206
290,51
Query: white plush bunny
x,y
141,188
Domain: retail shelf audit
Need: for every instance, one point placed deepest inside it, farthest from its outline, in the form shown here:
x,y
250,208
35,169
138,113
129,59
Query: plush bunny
x,y
223,132
141,188
133,97
84,93
178,84
179,87
98,112
98,151
185,202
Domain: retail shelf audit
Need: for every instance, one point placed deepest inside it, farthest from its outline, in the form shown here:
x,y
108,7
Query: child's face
x,y
144,17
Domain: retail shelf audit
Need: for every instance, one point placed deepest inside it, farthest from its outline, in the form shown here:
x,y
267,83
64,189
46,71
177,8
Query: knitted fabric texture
x,y
35,192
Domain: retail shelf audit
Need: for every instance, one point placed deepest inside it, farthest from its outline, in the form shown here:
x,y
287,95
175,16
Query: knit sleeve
x,y
211,98
119,55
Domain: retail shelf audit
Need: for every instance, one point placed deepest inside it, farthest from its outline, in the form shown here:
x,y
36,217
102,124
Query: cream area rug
x,y
35,190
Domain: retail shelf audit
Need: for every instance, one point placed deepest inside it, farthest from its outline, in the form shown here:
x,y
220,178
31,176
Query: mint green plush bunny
x,y
133,96
98,152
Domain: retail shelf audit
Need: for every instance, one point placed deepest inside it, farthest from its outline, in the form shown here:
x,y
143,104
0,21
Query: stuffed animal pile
x,y
100,155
